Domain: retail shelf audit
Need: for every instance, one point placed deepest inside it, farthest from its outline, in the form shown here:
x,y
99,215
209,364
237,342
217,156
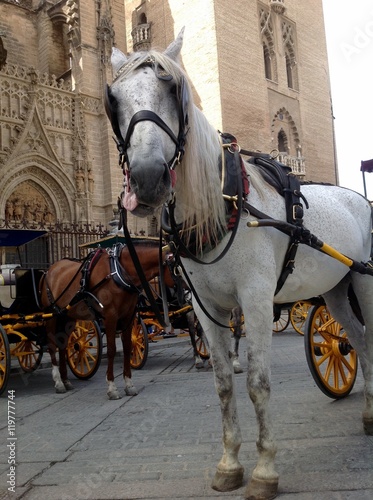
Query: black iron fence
x,y
60,240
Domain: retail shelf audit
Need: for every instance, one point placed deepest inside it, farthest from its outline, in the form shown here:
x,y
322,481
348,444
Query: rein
x,y
139,270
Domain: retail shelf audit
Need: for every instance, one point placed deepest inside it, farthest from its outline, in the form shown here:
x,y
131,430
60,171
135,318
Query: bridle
x,y
111,107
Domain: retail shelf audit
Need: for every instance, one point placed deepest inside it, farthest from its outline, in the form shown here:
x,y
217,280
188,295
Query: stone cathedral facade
x,y
258,67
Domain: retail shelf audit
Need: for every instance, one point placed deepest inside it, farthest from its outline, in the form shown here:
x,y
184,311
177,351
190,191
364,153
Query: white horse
x,y
152,114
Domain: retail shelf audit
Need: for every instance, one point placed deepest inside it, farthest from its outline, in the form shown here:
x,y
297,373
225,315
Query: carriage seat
x,y
27,291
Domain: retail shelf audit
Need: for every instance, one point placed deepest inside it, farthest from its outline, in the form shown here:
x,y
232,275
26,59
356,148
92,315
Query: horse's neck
x,y
149,261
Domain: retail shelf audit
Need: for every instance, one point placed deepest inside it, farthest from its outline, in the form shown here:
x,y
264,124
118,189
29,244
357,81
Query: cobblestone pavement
x,y
166,442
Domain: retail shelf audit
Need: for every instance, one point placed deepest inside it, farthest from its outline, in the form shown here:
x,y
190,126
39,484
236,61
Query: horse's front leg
x,y
110,330
63,369
198,361
56,376
264,480
129,388
229,473
57,339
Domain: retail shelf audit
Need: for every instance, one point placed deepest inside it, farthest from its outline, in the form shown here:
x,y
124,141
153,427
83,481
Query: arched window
x,y
288,38
289,71
267,62
282,142
143,19
3,53
268,44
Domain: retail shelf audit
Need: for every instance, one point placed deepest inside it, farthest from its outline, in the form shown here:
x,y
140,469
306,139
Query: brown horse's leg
x,y
52,349
129,388
198,361
110,330
63,369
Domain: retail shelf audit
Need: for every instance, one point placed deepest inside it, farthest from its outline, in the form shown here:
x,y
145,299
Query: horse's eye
x,y
173,90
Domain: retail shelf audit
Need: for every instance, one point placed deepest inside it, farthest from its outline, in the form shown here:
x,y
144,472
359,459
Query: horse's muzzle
x,y
149,188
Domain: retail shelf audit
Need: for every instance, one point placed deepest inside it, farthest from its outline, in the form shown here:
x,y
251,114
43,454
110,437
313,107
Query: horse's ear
x,y
173,50
117,59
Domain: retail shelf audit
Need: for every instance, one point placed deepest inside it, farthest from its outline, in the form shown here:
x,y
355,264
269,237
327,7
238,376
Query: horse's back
x,y
340,217
62,278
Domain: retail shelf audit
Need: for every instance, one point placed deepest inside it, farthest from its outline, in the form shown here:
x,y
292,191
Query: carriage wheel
x,y
283,322
202,348
140,344
331,359
29,354
4,360
84,349
298,315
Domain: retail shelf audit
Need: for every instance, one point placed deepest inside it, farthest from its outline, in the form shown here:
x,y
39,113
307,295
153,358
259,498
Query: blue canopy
x,y
18,237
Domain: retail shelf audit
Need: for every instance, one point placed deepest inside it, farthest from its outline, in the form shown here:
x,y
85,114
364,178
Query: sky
x,y
349,36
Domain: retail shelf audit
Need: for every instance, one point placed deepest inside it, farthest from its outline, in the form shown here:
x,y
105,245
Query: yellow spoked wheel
x,y
140,343
84,349
201,341
298,315
283,322
331,359
4,360
29,354
202,348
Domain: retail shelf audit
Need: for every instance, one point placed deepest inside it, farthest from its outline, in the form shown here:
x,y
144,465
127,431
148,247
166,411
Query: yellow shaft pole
x,y
336,255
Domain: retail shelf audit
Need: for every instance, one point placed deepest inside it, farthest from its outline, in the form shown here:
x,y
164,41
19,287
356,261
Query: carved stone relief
x,y
29,203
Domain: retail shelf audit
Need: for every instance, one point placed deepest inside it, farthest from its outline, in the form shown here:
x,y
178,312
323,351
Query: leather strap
x,y
140,272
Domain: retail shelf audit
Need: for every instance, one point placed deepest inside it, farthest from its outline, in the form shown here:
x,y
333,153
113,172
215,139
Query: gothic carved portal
x,y
28,203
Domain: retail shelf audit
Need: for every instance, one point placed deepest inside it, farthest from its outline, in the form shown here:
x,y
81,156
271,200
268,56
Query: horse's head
x,y
147,107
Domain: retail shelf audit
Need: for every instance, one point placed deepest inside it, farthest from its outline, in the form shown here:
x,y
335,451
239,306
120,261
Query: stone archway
x,y
36,192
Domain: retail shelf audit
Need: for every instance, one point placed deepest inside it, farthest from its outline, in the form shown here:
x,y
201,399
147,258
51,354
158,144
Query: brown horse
x,y
107,285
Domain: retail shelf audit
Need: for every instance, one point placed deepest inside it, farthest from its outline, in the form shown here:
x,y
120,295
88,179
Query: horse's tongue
x,y
130,201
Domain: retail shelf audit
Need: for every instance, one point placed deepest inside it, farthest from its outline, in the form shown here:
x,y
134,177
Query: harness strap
x,y
140,272
117,271
306,237
286,184
174,227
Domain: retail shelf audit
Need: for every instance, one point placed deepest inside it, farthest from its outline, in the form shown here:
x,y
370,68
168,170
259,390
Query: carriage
x,y
23,335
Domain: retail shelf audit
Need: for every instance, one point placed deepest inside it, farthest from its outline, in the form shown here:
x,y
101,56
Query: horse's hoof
x,y
113,397
227,480
260,489
199,365
68,385
237,369
131,391
60,389
368,426
113,394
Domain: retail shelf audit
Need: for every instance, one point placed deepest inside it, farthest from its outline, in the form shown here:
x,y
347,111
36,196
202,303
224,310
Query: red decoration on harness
x,y
173,177
245,191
